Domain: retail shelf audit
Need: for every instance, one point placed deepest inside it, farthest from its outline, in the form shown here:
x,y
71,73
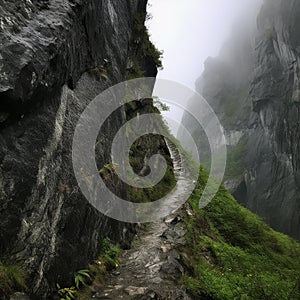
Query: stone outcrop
x,y
272,173
55,57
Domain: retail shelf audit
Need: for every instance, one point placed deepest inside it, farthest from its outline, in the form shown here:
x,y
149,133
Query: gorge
x,y
55,58
253,88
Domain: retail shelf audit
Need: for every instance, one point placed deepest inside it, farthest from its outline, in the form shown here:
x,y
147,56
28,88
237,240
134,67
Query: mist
x,y
189,33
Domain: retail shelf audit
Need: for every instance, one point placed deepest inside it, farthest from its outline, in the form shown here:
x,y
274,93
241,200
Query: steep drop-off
x,y
55,57
253,86
230,253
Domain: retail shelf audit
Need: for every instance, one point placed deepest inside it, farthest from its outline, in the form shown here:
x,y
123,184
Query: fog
x,y
190,31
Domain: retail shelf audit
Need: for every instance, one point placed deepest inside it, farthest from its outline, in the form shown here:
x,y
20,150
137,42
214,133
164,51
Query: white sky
x,y
190,31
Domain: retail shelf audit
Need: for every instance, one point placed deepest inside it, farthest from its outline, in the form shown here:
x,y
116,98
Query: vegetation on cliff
x,y
233,254
143,148
145,56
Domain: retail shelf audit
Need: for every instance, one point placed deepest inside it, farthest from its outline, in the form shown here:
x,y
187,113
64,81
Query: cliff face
x,y
225,84
272,178
56,56
255,93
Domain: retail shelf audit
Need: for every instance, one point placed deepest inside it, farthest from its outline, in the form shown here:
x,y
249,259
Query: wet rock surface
x,y
272,172
19,296
149,270
55,57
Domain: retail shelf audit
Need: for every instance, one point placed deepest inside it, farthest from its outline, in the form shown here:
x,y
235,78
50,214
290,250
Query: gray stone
x,y
19,296
253,86
51,55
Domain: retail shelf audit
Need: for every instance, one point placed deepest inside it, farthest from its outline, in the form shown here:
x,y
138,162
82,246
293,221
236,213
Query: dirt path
x,y
150,268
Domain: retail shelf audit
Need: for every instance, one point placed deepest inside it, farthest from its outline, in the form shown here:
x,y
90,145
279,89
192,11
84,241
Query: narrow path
x,y
149,270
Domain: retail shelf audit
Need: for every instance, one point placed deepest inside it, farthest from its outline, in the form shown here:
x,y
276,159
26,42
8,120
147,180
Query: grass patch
x,y
235,255
12,279
108,260
110,255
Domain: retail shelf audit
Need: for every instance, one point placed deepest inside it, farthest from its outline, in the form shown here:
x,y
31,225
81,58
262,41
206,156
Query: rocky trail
x,y
149,270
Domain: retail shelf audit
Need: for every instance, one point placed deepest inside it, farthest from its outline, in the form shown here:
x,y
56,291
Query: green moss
x,y
140,149
235,255
235,160
168,182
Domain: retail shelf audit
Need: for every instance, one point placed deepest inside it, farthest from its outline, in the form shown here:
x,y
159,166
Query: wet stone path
x,y
149,270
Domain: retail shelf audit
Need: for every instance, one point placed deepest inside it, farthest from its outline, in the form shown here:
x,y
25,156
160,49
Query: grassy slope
x,y
233,254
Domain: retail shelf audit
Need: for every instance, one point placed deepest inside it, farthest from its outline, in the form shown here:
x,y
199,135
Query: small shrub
x,y
160,105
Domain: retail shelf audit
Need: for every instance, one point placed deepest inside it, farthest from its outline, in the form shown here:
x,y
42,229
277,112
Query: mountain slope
x,y
232,254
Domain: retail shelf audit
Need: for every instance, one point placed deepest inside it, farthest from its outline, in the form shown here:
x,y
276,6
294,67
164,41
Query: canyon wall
x,y
253,86
55,57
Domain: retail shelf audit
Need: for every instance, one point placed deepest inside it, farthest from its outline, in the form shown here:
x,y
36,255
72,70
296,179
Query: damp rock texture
x,y
55,57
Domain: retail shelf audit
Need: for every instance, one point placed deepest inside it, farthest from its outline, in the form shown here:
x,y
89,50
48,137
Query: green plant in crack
x,y
81,277
110,254
160,105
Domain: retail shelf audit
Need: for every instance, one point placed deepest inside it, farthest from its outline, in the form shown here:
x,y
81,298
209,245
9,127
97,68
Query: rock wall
x,y
272,174
254,88
55,57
